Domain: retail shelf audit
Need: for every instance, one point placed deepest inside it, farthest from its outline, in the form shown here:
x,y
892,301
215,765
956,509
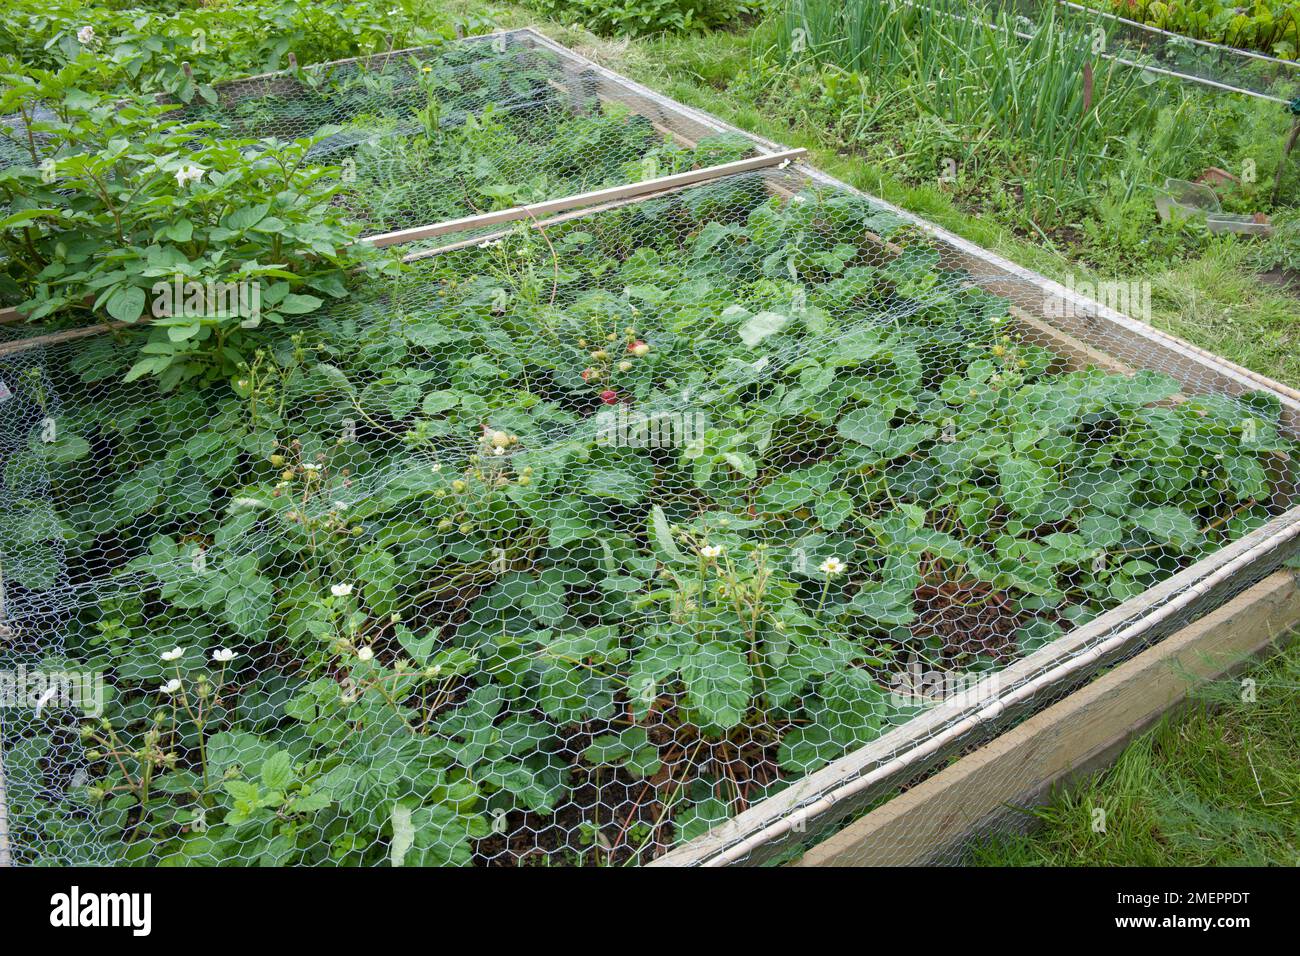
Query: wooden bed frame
x,y
1083,333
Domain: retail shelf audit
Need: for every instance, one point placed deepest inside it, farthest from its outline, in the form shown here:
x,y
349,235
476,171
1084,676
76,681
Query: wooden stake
x,y
54,338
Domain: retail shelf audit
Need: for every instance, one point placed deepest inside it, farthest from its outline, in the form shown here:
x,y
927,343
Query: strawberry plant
x,y
421,590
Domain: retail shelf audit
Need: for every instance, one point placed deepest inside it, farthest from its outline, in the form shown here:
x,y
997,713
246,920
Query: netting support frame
x,y
613,195
1092,332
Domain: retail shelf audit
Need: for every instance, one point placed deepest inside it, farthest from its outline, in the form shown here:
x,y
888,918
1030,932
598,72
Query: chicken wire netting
x,y
438,133
571,545
1173,54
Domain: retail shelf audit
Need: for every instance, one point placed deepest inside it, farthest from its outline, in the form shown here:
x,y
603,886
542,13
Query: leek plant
x,y
1041,86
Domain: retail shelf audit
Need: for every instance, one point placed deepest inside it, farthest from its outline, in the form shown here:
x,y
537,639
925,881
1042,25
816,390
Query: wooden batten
x,y
594,198
54,338
6,853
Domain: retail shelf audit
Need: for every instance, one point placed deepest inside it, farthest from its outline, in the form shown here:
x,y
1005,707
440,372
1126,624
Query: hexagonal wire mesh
x,y
1172,54
694,522
436,133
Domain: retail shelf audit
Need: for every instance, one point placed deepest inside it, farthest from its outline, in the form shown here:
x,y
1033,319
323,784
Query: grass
x,y
1216,785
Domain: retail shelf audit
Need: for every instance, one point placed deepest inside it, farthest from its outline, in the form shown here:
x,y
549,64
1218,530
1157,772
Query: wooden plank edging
x,y
1056,744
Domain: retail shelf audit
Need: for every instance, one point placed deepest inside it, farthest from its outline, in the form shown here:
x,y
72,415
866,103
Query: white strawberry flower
x,y
366,654
174,654
86,35
172,686
711,551
832,566
223,655
340,590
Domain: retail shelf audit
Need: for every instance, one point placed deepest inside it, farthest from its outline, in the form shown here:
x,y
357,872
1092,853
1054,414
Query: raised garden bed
x,y
487,123
605,540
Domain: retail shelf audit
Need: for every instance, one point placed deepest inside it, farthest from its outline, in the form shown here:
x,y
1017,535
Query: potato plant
x,y
144,47
108,198
411,593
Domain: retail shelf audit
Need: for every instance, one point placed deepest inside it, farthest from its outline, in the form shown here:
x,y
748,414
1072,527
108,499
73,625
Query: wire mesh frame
x,y
1090,330
580,79
839,787
577,78
584,76
1144,37
941,731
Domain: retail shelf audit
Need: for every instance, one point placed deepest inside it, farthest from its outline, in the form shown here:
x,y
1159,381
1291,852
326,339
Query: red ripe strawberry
x,y
638,348
609,396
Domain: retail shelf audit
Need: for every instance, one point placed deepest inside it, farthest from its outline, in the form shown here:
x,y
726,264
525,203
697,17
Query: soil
x,y
969,618
595,823
1288,280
